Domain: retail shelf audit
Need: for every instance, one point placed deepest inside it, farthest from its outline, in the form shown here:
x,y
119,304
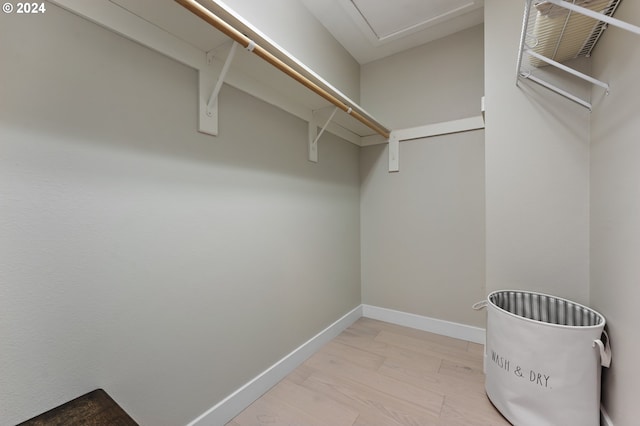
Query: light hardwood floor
x,y
380,374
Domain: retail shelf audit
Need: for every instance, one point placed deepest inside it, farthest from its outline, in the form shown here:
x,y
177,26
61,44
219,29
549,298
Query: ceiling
x,y
374,29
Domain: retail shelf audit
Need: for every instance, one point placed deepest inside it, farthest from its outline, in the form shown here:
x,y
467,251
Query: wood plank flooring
x,y
380,374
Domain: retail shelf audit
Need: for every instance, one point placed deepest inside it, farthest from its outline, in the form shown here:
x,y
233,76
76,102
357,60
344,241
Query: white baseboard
x,y
605,420
433,325
228,408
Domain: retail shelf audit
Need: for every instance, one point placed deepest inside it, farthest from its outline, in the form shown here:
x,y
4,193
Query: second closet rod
x,y
250,45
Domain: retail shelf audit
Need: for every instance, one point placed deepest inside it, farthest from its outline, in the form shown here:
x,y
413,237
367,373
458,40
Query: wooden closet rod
x,y
212,19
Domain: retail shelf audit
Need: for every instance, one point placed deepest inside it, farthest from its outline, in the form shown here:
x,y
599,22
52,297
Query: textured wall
x,y
615,211
166,266
537,172
423,228
439,81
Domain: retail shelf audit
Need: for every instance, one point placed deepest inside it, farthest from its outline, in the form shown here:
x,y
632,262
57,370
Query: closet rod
x,y
215,21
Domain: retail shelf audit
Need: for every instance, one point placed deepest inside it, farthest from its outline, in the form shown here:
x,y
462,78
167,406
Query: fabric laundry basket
x,y
543,358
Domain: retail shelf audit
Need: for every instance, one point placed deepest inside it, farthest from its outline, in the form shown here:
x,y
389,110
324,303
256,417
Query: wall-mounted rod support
x,y
325,125
394,152
236,35
223,73
314,136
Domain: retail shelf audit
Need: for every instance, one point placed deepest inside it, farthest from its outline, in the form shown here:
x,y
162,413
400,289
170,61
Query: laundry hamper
x,y
543,358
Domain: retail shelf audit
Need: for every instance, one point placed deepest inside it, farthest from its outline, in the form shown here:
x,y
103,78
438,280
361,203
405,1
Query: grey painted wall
x,y
137,254
439,81
167,266
423,228
537,173
615,211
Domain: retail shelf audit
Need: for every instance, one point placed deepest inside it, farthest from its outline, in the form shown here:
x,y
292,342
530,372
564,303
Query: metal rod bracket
x,y
314,135
212,103
209,89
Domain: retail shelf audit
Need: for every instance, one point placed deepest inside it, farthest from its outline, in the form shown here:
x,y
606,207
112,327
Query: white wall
x,y
537,173
615,211
438,81
166,266
423,228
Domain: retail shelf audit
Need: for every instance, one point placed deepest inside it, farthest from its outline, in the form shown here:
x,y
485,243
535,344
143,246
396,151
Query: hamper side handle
x,y
605,350
480,305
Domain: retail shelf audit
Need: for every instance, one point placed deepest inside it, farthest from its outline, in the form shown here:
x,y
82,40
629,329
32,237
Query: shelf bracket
x,y
394,152
208,102
314,135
